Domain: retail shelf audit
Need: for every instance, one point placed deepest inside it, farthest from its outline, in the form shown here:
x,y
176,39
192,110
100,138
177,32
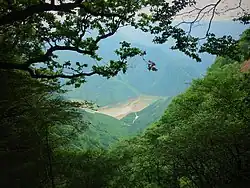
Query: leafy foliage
x,y
102,131
201,141
39,33
33,120
42,28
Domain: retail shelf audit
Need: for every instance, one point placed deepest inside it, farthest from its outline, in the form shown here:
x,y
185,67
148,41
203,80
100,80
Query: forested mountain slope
x,y
141,120
202,140
105,92
102,131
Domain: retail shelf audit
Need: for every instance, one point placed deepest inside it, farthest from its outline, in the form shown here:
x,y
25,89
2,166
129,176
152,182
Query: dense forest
x,y
47,141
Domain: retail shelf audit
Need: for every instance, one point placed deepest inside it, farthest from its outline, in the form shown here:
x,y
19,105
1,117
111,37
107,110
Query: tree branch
x,y
35,74
49,53
212,17
16,66
233,8
198,17
18,15
99,38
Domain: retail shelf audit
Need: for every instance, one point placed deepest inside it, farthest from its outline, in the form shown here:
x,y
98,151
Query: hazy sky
x,y
220,28
226,9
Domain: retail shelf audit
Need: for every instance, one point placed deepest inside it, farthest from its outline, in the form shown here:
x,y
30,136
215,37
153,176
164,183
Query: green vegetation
x,y
147,116
35,121
114,91
103,130
201,141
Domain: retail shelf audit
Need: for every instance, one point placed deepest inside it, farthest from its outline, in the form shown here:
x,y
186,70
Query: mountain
x,y
139,121
174,72
104,92
104,130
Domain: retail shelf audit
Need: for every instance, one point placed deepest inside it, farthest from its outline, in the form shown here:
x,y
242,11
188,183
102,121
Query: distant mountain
x,y
104,92
139,121
174,73
175,69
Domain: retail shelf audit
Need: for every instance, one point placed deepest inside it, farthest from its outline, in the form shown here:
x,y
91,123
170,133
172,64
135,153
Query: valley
x,y
121,110
130,103
107,125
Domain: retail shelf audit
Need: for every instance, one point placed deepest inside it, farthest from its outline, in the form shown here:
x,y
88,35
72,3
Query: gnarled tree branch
x,y
200,13
49,53
35,74
18,15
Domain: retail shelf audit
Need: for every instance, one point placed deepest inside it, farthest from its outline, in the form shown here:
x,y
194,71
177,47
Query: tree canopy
x,y
35,30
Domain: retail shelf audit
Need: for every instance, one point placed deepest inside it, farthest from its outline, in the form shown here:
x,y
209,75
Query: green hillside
x,y
102,131
104,92
147,116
